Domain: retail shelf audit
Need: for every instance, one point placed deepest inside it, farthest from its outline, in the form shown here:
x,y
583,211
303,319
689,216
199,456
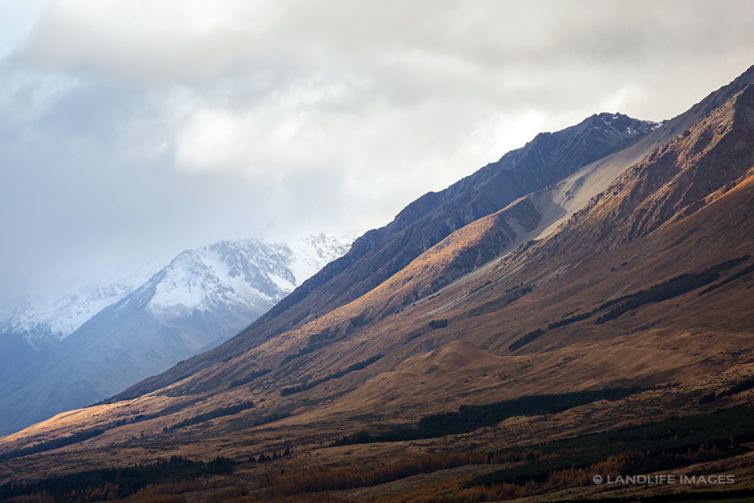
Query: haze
x,y
132,130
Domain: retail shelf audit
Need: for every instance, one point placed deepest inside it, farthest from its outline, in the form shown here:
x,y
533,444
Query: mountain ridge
x,y
198,300
406,243
631,273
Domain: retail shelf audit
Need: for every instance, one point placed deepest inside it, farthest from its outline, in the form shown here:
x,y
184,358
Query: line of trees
x,y
53,444
673,287
115,483
471,417
335,375
249,377
264,458
526,339
334,479
224,411
740,274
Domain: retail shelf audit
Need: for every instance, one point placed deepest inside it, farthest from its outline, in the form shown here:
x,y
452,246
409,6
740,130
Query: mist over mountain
x,y
546,293
380,253
87,347
556,308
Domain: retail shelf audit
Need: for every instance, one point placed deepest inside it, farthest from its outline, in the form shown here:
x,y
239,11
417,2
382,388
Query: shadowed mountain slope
x,y
638,278
380,253
558,173
201,298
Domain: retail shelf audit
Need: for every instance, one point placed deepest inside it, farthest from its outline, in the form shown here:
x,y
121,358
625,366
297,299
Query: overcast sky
x,y
131,130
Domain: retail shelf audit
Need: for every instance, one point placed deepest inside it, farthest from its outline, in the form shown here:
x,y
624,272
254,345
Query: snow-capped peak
x,y
312,253
239,273
247,275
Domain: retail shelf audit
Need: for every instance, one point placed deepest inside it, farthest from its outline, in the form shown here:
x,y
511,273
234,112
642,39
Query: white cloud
x,y
154,126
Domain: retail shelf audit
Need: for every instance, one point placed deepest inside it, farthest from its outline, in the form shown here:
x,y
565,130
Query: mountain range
x,y
91,345
581,306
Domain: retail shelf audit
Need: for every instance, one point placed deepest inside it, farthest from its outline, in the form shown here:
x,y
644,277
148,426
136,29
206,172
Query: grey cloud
x,y
132,130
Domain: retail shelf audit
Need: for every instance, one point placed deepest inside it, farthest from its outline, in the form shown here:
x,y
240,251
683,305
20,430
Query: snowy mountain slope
x,y
201,298
37,318
33,328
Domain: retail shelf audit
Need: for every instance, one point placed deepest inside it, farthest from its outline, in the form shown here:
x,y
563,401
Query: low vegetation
x,y
739,387
673,287
333,479
511,295
524,470
659,292
335,375
736,275
568,463
471,417
265,458
53,444
569,320
213,414
435,324
641,449
526,339
315,342
249,377
114,483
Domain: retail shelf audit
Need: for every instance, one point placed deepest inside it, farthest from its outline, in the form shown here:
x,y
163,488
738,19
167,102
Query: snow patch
x,y
223,276
37,318
236,273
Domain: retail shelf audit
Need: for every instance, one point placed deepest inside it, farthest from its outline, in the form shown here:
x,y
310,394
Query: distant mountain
x,y
38,319
33,327
381,253
584,302
89,346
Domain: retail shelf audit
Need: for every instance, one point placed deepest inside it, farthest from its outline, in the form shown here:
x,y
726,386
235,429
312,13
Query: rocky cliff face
x,y
671,183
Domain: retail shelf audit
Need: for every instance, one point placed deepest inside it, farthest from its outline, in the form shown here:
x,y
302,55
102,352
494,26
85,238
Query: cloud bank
x,y
132,130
